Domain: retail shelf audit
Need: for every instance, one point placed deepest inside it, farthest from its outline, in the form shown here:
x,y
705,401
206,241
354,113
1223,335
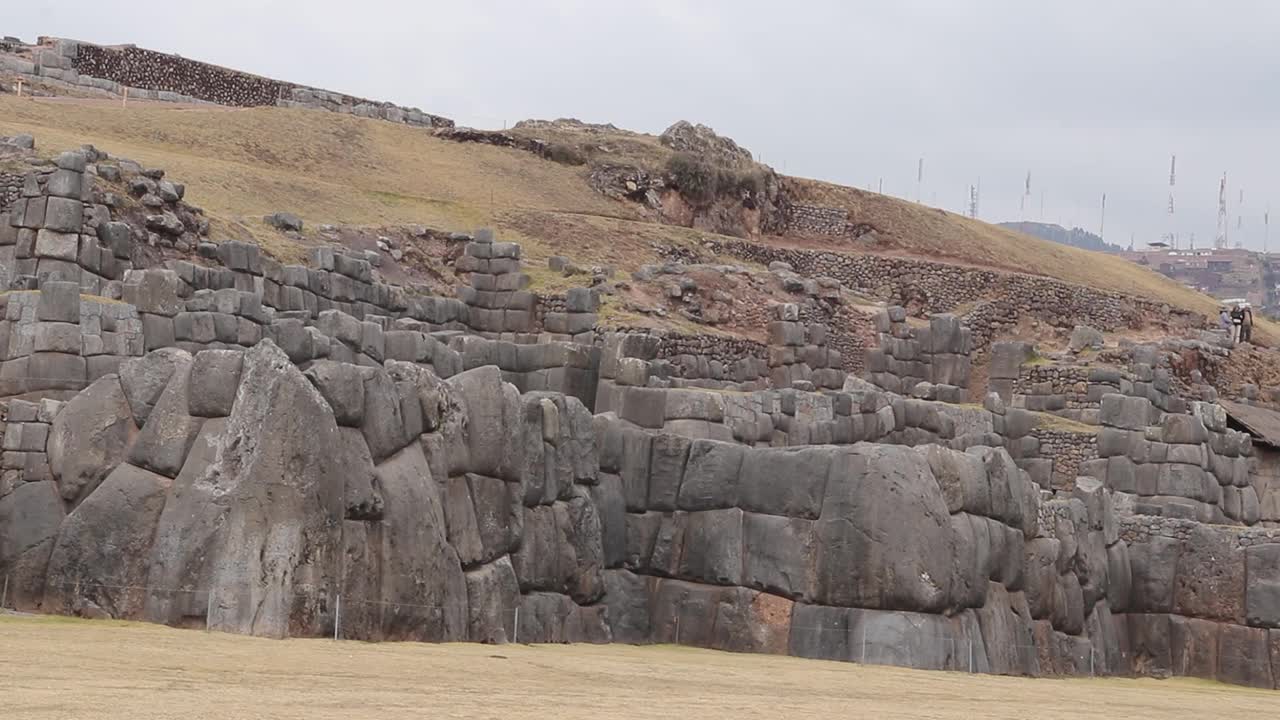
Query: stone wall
x,y
10,189
998,299
56,340
25,456
1178,465
149,75
1068,450
798,353
687,359
1229,634
936,357
55,232
163,73
817,219
715,553
490,490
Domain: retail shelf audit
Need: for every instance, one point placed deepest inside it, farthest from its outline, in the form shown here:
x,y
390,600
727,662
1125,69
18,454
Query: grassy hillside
x,y
910,228
242,163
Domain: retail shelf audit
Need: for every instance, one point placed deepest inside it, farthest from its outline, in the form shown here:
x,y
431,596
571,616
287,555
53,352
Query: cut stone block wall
x,y
150,75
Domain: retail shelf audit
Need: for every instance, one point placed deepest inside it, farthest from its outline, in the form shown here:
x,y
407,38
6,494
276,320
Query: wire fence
x,y
885,639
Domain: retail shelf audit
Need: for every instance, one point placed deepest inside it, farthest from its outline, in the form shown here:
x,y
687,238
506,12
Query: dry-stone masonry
x,y
998,300
307,451
936,357
149,75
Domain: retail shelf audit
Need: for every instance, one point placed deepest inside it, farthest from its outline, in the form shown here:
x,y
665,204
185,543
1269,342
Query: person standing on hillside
x,y
1246,324
1224,320
1237,321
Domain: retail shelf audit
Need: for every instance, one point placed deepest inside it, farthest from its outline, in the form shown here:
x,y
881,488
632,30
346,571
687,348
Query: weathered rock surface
x,y
89,438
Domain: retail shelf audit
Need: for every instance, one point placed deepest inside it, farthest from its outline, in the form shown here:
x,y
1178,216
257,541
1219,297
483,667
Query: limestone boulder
x,y
884,537
499,515
1262,591
89,437
711,475
777,555
30,516
1153,565
100,561
493,594
627,599
162,445
785,481
256,513
1209,581
418,566
215,375
144,379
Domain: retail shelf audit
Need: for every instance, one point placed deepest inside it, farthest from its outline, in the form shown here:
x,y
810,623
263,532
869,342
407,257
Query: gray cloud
x,y
1091,97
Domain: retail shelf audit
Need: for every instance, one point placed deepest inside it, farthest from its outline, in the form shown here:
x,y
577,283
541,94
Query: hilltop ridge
x,y
601,196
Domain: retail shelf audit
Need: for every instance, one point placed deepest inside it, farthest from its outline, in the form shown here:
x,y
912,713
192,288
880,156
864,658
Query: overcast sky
x,y
1090,97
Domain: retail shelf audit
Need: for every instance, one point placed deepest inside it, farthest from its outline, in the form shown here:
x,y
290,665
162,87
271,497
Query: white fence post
x,y
208,610
337,616
515,628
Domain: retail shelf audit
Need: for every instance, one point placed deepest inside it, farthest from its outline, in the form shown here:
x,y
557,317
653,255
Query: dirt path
x,y
63,668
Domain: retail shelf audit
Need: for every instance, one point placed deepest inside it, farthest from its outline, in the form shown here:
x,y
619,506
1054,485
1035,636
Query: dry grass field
x,y
64,668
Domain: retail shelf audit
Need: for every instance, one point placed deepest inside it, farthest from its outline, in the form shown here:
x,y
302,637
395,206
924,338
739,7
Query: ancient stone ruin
x,y
225,441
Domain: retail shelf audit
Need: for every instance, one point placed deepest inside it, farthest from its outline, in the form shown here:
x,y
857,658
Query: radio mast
x,y
1220,240
1173,227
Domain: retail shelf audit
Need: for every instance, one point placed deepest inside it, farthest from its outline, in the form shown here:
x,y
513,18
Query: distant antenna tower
x,y
919,178
1173,227
1026,194
974,192
1102,222
1220,240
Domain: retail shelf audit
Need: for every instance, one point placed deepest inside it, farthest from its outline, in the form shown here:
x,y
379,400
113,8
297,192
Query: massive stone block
x,y
215,376
666,469
777,555
493,595
1006,634
30,516
821,632
1244,657
786,481
712,552
418,566
711,475
100,562
499,515
607,497
1153,564
163,443
1262,589
1193,647
256,513
884,537
749,621
89,438
1209,581
144,379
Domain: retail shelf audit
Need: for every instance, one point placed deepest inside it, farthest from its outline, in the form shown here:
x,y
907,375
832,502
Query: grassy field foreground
x,y
64,668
